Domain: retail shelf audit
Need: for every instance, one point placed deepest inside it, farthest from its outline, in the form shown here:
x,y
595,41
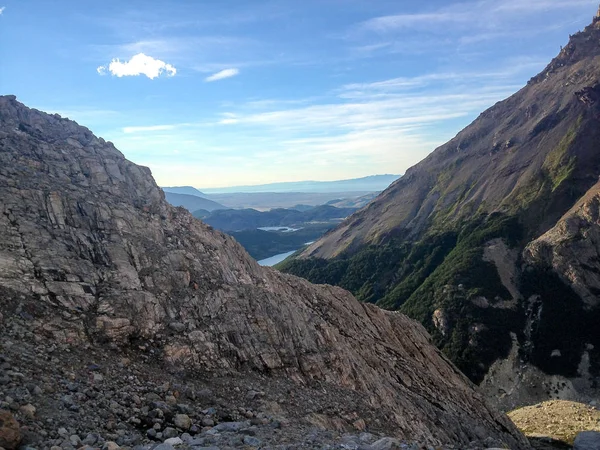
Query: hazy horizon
x,y
247,93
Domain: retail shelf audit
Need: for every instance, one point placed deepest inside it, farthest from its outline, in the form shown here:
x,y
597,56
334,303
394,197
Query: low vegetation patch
x,y
558,420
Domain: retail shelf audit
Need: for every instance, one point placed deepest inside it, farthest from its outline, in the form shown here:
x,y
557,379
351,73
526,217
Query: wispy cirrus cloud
x,y
225,73
2,8
140,64
479,14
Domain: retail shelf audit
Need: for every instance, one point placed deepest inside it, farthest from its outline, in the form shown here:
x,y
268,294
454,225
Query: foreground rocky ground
x,y
71,398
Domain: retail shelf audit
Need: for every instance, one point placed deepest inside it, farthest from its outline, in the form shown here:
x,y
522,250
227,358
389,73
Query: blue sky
x,y
218,93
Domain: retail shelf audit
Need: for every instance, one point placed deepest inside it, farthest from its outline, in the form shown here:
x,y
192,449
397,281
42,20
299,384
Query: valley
x,y
357,226
275,231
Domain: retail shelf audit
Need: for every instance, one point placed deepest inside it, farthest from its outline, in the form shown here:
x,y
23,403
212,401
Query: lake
x,y
282,229
275,259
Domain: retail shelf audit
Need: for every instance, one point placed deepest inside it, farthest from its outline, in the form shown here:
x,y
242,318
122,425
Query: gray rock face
x,y
94,255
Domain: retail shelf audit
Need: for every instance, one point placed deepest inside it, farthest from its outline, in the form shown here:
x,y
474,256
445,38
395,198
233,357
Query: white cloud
x,y
2,8
139,64
227,73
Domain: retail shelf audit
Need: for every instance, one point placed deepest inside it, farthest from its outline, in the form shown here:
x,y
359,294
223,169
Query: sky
x,y
238,92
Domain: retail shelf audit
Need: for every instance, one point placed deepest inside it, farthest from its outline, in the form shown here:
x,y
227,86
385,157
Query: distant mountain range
x,y
187,190
265,201
192,202
368,184
353,193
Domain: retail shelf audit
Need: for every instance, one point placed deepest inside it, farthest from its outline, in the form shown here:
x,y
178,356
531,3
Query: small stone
x,y
170,432
178,327
75,440
98,377
90,439
164,446
360,425
63,432
171,400
251,441
182,421
205,395
28,410
110,445
252,394
230,426
208,422
174,441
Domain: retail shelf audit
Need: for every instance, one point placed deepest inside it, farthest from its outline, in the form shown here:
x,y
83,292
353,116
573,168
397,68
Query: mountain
x,y
188,190
124,317
246,219
268,200
491,241
357,202
370,183
192,202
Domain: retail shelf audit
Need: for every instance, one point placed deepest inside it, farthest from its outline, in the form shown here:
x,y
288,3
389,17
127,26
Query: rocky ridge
x,y
95,265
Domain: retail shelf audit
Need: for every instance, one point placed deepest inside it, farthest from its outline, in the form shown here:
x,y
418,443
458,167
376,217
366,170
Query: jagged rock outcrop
x,y
571,248
92,254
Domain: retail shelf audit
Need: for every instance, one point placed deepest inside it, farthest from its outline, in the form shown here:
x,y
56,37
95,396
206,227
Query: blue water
x,y
275,259
282,229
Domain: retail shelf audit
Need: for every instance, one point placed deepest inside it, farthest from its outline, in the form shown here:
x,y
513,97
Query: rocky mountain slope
x,y
481,242
96,266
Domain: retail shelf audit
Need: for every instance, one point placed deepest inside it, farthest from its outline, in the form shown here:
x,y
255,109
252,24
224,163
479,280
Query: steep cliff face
x,y
93,254
481,242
